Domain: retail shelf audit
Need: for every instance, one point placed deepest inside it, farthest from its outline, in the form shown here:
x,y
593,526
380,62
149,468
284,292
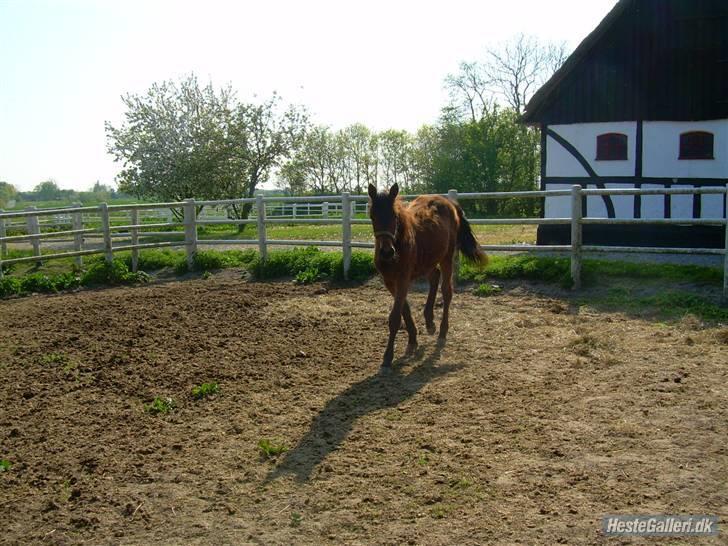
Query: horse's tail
x,y
467,243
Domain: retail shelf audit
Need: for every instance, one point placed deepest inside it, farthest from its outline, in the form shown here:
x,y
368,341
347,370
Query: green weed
x,y
102,272
205,390
296,519
5,465
271,450
55,358
160,405
485,290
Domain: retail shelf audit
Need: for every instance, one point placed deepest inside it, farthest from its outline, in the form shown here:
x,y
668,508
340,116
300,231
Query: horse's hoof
x,y
441,340
411,348
385,370
431,329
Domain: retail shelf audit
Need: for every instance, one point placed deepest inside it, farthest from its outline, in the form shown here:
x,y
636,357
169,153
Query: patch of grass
x,y
55,359
205,390
38,282
594,269
157,258
558,270
669,304
441,510
485,290
210,260
460,483
311,264
584,345
296,519
271,450
101,272
160,406
309,276
5,465
519,267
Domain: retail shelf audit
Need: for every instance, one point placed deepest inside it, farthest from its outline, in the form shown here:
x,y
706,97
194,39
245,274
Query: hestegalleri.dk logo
x,y
659,525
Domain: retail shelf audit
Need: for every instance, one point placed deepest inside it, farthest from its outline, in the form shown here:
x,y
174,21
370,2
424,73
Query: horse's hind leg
x,y
446,267
411,328
434,279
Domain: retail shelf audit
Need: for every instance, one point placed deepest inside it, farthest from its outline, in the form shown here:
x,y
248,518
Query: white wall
x,y
583,136
661,148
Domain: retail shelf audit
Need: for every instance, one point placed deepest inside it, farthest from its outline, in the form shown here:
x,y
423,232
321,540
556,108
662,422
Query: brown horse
x,y
418,240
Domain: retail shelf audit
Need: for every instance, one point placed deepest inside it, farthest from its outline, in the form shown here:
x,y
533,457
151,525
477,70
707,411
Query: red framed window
x,y
696,145
612,147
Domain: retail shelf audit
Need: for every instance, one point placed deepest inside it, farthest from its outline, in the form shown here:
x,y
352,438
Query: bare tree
x,y
518,68
469,90
510,73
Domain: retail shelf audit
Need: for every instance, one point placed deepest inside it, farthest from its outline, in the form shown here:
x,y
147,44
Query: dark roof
x,y
647,59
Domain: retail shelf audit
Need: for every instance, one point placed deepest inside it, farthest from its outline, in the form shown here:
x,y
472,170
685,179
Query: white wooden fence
x,y
345,204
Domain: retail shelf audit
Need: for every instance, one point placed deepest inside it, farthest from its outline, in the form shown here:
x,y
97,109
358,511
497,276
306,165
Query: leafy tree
x,y
181,140
396,158
313,167
7,193
360,146
47,190
492,154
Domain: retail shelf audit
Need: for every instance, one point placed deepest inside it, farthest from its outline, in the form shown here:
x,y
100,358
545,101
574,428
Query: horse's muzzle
x,y
387,255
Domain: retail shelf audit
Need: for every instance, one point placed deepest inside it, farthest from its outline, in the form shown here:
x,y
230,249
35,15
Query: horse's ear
x,y
372,191
394,191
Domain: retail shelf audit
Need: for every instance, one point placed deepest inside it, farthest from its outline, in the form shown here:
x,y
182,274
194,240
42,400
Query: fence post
x,y
106,230
134,234
346,231
77,224
576,236
325,209
34,229
262,237
190,222
725,256
3,233
3,244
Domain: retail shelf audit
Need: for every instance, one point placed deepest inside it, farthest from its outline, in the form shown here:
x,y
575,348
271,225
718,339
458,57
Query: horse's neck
x,y
404,231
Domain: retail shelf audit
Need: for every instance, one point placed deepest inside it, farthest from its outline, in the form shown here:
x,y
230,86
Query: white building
x,y
642,102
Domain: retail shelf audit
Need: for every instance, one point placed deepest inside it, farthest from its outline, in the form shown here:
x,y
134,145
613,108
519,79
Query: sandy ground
x,y
534,420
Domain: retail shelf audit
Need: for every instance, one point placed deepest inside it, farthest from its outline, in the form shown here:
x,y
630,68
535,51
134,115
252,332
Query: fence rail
x,y
328,210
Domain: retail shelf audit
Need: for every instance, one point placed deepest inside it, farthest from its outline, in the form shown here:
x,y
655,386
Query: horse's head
x,y
384,222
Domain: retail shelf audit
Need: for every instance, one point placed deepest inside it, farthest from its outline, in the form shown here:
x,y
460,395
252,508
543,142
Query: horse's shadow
x,y
331,426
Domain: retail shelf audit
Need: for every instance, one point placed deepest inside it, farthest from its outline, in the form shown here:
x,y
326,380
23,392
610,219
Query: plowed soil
x,y
536,418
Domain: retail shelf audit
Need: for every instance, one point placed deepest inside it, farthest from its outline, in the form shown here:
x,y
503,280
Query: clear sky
x,y
65,63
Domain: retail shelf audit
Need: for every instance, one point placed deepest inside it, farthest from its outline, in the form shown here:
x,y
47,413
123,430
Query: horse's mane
x,y
405,219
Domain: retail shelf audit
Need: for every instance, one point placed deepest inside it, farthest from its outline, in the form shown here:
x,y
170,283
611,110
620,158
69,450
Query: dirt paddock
x,y
537,418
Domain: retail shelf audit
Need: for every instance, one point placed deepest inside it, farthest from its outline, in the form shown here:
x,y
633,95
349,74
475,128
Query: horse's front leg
x,y
411,328
395,319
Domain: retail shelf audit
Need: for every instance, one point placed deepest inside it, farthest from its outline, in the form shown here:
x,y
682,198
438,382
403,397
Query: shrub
x,y
208,260
311,264
38,282
485,290
9,286
117,272
156,259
